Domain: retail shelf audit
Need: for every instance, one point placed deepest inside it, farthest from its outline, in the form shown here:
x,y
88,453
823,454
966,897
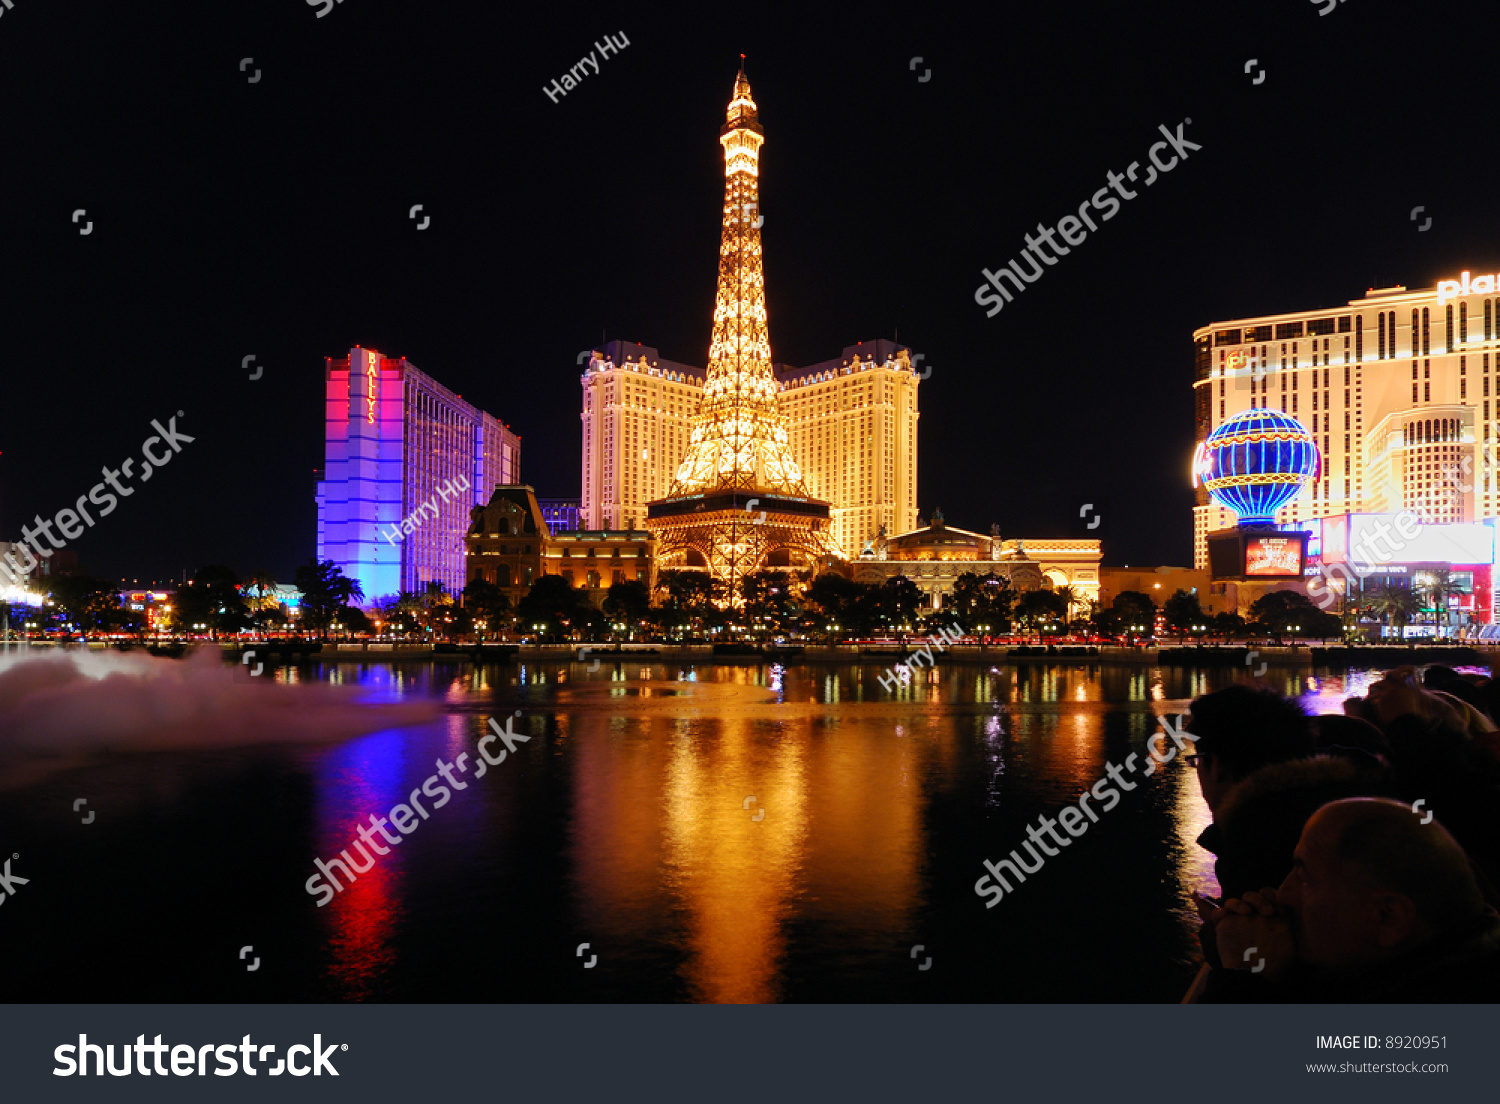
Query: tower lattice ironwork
x,y
738,496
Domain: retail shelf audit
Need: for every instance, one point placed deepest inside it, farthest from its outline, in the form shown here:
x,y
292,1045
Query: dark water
x,y
624,823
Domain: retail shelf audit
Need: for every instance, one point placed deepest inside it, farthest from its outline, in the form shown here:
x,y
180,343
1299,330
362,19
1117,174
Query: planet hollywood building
x,y
1400,391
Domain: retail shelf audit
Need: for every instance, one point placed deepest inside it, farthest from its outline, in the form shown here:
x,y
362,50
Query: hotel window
x,y
1413,332
1463,322
1450,326
1426,333
1487,320
1427,369
1359,337
1414,391
1380,321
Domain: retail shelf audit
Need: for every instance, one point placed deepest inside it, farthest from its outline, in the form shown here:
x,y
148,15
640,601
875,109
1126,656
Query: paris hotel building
x,y
1395,386
851,427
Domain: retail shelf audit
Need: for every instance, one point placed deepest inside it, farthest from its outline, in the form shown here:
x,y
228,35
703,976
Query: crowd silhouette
x,y
1358,854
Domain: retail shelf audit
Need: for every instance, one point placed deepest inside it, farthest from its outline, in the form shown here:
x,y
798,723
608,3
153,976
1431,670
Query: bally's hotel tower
x,y
398,440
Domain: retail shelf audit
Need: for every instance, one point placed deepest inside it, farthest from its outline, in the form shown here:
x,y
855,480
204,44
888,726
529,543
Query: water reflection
x,y
733,876
354,781
742,826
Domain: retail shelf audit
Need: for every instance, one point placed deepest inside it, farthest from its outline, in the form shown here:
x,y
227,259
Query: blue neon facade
x,y
1256,462
405,461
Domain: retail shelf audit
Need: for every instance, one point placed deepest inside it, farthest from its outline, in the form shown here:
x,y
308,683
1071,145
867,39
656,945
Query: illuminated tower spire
x,y
739,440
738,502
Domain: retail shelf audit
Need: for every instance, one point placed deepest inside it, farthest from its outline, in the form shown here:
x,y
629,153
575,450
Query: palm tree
x,y
1089,611
1438,586
264,585
691,592
266,600
1039,607
1070,596
1394,603
489,605
408,609
325,591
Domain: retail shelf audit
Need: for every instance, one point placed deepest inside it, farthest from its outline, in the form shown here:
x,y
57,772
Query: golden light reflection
x,y
732,883
1190,816
735,875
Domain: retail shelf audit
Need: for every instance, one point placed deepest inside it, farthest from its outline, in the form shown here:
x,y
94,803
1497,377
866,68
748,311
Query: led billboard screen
x,y
1273,557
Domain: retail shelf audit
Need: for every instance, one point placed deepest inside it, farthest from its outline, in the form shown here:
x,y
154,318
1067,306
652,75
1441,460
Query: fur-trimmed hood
x,y
1263,815
1306,778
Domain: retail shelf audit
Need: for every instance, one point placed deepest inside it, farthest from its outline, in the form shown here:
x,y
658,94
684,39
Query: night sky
x,y
270,219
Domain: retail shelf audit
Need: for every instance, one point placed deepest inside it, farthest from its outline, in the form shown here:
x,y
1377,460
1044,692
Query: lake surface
x,y
626,822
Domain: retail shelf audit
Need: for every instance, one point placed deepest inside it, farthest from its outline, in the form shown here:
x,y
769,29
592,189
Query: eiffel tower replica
x,y
738,496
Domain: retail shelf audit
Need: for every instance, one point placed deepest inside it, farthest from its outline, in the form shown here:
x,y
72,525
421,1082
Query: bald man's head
x,y
1370,880
1387,842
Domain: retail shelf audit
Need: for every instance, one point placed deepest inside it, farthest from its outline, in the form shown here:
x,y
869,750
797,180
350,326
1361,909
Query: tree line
x,y
687,605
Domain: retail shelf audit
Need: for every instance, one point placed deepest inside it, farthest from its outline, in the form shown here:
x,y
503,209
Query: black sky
x,y
270,219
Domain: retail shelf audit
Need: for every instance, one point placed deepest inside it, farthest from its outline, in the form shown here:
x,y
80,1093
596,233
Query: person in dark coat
x,y
1261,819
1237,731
1261,781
